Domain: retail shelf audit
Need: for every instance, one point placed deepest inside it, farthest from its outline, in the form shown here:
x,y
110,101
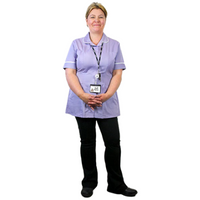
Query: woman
x,y
93,69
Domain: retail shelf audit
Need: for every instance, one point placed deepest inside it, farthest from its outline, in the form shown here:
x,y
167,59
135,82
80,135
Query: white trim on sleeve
x,y
119,63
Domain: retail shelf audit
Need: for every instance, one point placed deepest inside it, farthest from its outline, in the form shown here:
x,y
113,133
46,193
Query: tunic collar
x,y
87,40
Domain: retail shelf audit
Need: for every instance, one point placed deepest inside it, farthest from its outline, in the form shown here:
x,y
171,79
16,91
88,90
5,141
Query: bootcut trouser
x,y
111,136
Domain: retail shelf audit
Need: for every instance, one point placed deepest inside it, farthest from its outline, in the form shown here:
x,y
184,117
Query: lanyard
x,y
98,60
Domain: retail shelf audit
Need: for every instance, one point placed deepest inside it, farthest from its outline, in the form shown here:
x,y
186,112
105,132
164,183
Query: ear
x,y
87,22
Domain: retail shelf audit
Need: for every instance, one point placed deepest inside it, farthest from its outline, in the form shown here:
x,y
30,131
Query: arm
x,y
114,85
75,86
73,82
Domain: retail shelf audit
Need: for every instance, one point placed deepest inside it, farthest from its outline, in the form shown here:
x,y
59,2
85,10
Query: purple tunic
x,y
81,57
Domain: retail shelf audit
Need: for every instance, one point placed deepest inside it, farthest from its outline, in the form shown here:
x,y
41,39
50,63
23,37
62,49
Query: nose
x,y
96,19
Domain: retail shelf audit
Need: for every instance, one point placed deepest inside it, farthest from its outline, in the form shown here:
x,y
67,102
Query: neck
x,y
95,37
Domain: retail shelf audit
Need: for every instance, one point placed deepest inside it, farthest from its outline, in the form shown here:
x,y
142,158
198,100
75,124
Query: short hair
x,y
96,5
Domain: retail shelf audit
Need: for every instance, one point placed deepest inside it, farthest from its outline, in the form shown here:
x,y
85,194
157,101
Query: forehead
x,y
96,12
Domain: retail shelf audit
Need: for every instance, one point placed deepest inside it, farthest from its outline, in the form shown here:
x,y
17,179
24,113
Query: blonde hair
x,y
96,5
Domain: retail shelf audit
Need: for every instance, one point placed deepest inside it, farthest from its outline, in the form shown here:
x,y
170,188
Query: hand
x,y
90,100
94,102
102,97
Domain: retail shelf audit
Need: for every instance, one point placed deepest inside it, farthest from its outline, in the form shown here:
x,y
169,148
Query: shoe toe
x,y
130,192
87,192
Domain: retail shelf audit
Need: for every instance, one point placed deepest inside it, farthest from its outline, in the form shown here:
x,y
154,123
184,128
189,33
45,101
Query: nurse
x,y
93,69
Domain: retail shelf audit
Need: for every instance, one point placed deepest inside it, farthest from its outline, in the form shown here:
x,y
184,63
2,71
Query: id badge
x,y
95,88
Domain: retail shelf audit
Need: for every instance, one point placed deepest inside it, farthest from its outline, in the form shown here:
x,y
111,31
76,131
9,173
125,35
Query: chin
x,y
97,30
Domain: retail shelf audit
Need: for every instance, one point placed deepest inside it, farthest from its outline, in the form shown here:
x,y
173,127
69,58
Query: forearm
x,y
73,82
114,84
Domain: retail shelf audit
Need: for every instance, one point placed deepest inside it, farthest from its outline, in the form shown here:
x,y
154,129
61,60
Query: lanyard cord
x,y
98,60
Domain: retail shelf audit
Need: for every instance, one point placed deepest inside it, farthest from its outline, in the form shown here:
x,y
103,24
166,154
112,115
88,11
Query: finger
x,y
98,96
98,101
91,103
91,107
94,101
91,97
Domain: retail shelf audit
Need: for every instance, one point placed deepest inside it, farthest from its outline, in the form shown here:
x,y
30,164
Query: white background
x,y
159,99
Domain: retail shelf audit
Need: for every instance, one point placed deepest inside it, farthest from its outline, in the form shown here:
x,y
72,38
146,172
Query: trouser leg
x,y
88,151
111,136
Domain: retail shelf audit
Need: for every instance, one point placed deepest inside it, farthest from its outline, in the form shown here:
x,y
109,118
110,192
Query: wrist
x,y
108,95
81,95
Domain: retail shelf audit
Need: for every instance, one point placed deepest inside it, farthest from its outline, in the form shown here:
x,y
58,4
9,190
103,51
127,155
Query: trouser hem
x,y
93,186
118,191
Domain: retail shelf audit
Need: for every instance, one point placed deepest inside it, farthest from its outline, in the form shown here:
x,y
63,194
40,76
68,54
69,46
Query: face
x,y
96,21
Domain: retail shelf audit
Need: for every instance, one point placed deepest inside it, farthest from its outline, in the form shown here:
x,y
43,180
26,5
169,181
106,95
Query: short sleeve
x,y
70,61
119,61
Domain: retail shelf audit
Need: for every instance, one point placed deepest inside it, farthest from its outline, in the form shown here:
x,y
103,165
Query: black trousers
x,y
111,136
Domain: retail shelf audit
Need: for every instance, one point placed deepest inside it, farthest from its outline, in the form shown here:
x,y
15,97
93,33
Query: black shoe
x,y
129,192
87,192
